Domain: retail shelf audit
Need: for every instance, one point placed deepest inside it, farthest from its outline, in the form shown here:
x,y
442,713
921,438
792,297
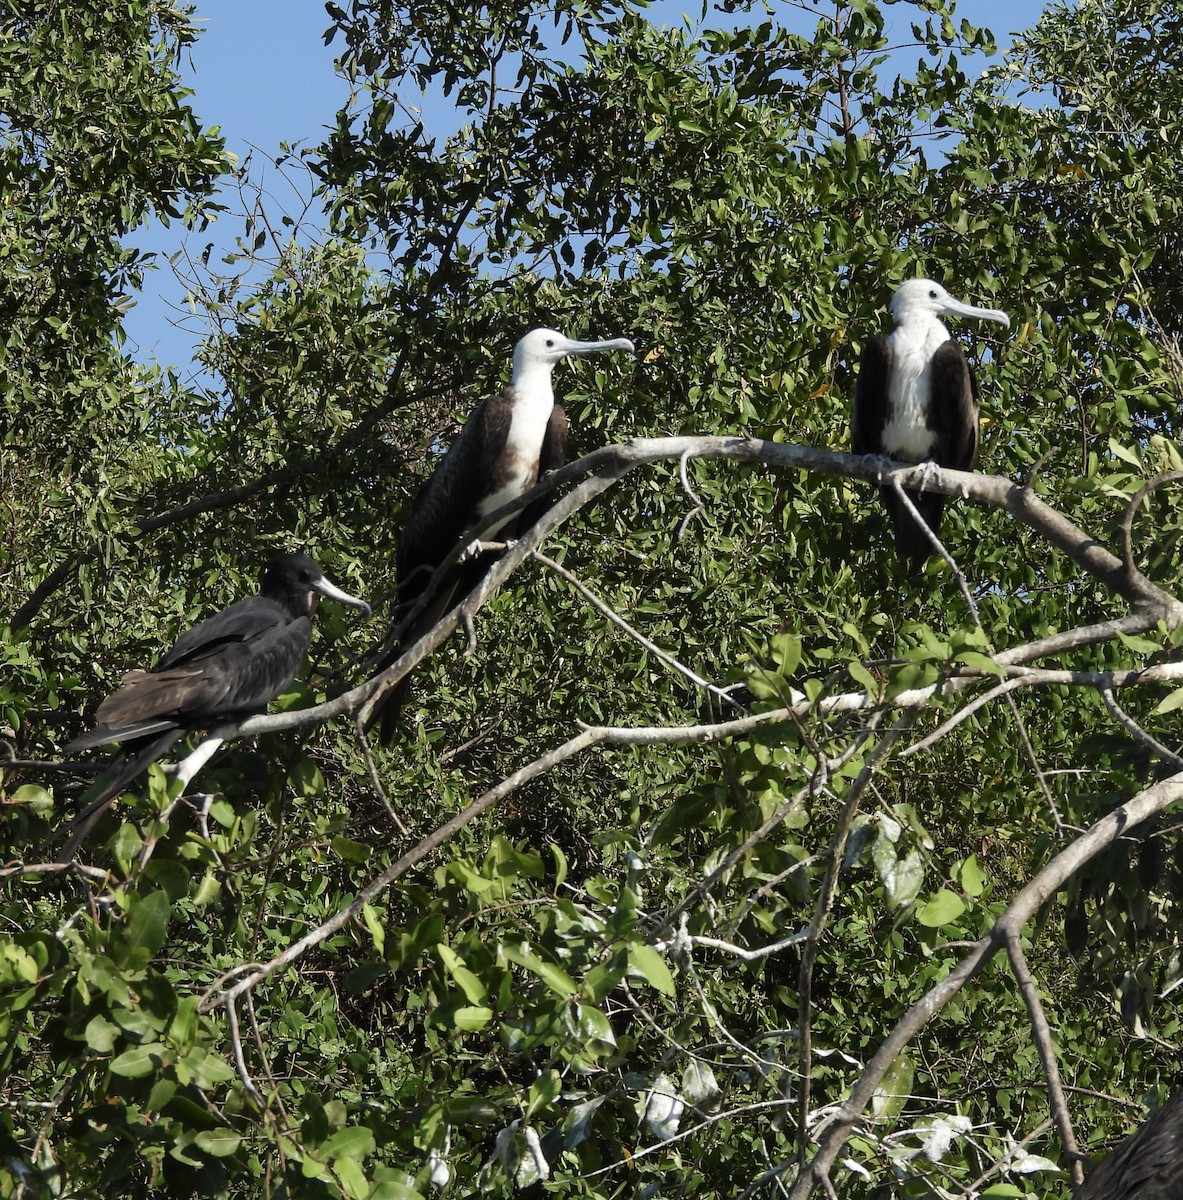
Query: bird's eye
x,y
550,343
933,294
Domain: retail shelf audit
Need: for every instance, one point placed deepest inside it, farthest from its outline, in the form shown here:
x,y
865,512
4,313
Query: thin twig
x,y
1047,1052
239,1059
1169,757
606,610
375,781
1127,521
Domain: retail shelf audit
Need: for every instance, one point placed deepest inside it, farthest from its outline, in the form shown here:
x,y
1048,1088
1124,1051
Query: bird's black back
x,y
1148,1165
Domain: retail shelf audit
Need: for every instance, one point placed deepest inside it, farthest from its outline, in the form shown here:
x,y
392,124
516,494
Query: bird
x,y
505,446
1148,1165
228,666
916,400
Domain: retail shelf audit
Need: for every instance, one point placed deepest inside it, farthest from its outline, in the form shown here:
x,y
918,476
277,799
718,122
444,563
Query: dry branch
x,y
1018,913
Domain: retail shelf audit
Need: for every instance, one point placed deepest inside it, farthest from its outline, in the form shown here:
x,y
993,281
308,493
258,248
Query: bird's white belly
x,y
906,435
518,469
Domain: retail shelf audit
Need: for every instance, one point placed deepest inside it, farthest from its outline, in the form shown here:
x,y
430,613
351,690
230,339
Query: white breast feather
x,y
906,435
523,445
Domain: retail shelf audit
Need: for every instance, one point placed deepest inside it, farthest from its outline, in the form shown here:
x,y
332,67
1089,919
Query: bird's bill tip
x,y
331,591
980,314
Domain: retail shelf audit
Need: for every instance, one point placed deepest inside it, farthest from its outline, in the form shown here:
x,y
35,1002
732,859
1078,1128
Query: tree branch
x,y
1020,911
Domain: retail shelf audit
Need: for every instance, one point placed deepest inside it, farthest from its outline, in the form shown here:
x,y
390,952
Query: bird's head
x,y
297,580
545,347
921,298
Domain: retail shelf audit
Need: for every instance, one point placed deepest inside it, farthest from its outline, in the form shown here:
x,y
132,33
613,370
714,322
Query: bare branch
x,y
1021,909
821,912
1047,1052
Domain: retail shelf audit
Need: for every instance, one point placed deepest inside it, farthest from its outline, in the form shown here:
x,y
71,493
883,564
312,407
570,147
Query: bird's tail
x,y
387,710
125,769
911,542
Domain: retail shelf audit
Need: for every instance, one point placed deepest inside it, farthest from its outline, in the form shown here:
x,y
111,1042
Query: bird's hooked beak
x,y
573,347
332,592
956,309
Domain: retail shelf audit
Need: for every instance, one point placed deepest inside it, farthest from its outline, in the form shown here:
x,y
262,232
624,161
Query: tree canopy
x,y
904,914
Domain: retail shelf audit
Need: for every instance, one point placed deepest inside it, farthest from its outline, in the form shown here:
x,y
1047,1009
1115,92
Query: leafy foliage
x,y
572,991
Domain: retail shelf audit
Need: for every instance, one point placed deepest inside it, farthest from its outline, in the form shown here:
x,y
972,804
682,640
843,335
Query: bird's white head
x,y
542,348
925,299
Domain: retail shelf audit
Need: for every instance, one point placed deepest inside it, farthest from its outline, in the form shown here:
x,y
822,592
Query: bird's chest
x,y
515,468
908,435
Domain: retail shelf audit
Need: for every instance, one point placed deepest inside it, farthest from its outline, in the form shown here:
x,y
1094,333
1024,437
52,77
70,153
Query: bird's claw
x,y
929,471
879,463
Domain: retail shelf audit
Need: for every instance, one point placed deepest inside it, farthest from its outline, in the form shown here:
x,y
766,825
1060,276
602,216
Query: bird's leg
x,y
476,548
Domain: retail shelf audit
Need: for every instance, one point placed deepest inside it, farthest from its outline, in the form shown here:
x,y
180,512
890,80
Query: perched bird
x,y
507,443
1148,1165
916,400
227,667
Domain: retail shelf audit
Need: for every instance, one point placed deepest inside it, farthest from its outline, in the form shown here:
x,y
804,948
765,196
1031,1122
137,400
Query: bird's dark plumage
x,y
1148,1165
226,667
916,400
506,445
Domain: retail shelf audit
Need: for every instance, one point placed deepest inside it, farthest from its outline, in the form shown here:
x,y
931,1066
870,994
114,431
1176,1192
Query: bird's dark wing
x,y
445,505
125,768
1146,1166
553,456
953,410
870,413
245,676
443,510
225,677
242,621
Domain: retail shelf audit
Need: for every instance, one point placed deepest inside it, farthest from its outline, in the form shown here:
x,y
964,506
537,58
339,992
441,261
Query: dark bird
x,y
227,667
1148,1165
506,445
916,401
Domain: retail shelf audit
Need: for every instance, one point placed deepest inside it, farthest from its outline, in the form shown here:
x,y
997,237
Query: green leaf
x,y
894,1090
356,1142
101,1035
144,931
553,976
469,983
980,662
973,877
543,1093
352,1178
16,964
374,925
472,1017
1171,702
646,962
942,909
139,1061
221,1143
350,851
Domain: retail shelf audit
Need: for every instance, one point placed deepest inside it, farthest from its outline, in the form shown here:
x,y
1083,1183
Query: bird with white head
x,y
916,401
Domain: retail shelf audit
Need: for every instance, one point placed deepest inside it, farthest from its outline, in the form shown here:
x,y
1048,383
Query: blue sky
x,y
262,72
